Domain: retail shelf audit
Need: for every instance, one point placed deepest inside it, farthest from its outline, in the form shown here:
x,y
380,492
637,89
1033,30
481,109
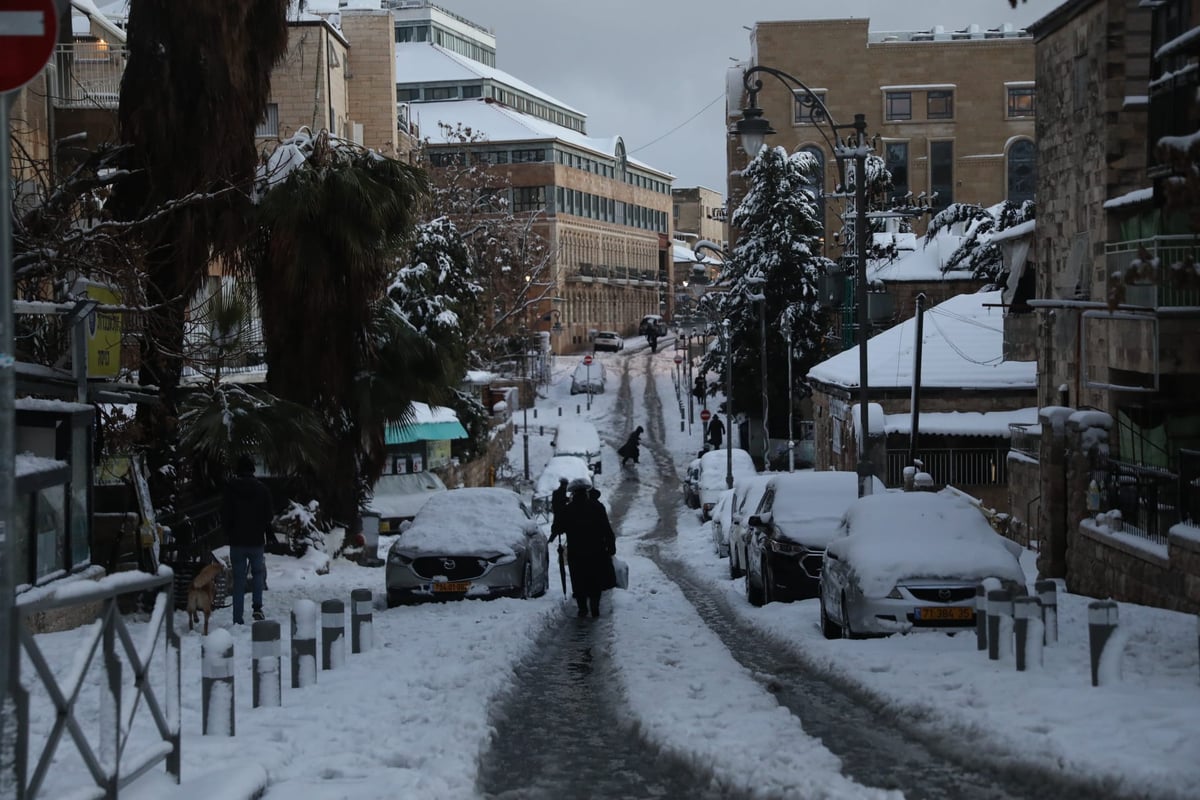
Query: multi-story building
x,y
698,213
951,112
1107,482
606,217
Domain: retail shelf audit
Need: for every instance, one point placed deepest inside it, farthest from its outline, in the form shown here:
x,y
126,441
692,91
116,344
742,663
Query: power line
x,y
677,127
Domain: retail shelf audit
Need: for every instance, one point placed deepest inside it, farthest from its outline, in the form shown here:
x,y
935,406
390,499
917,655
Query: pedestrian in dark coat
x,y
629,451
591,545
716,432
246,513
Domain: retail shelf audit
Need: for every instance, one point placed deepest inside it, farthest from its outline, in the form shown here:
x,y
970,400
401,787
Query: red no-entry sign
x,y
705,415
28,31
678,359
587,360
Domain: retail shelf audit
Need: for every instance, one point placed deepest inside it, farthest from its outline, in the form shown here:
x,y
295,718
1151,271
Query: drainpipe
x,y
915,399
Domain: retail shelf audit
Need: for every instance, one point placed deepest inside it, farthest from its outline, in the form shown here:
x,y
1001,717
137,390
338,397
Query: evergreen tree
x,y
976,254
773,270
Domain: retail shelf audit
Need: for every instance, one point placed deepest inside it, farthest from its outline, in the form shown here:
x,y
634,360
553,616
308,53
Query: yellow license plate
x,y
953,613
451,586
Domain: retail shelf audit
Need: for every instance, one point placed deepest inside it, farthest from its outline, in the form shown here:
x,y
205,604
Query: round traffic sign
x,y
705,415
28,32
587,360
678,359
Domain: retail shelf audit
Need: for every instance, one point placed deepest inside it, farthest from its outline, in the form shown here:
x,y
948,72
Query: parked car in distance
x,y
468,543
578,438
712,481
748,491
608,340
566,467
722,519
652,322
588,378
797,516
398,498
903,561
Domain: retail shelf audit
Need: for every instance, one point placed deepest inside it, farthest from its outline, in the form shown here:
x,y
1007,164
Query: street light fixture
x,y
753,128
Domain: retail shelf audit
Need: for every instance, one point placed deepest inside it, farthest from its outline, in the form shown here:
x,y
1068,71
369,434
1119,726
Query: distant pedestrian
x,y
246,513
630,450
591,545
652,338
716,432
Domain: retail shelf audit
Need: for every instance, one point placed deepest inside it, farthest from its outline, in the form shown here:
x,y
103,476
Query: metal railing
x,y
1147,497
88,74
108,762
1189,486
1026,439
1162,289
953,466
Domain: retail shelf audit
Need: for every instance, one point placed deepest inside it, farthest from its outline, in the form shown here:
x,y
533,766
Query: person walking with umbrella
x,y
591,544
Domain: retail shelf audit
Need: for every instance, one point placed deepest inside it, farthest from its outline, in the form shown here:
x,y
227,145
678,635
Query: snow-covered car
x,y
786,534
468,543
398,498
588,378
608,340
578,438
714,468
747,492
908,560
566,468
722,519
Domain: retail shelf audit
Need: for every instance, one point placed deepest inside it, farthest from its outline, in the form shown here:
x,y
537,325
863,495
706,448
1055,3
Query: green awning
x,y
395,433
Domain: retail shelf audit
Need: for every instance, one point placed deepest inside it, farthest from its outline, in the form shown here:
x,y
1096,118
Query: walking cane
x,y
562,566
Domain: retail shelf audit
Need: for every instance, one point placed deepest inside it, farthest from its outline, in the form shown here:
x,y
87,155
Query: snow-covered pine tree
x,y
777,258
976,254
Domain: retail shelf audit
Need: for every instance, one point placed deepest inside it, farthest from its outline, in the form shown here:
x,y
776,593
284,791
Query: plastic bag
x,y
622,572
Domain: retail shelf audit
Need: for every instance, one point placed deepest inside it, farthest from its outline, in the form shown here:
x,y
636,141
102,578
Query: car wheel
x,y
846,631
393,600
754,593
829,628
527,583
764,570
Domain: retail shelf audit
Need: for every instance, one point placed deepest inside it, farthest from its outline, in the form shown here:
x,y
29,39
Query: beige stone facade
x,y
956,102
699,213
309,85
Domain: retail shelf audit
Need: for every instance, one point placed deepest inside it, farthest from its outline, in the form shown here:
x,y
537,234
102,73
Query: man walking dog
x,y
246,513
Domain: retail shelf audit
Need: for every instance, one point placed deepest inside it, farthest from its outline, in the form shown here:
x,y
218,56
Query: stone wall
x,y
1024,500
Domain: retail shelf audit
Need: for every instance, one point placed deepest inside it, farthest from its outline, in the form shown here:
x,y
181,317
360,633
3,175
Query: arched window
x,y
819,182
1022,171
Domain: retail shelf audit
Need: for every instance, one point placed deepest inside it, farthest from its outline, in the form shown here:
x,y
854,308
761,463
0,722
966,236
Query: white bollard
x,y
216,686
267,659
1047,592
333,634
304,643
361,621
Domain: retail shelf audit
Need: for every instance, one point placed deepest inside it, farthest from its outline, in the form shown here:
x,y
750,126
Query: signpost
x,y
28,32
587,362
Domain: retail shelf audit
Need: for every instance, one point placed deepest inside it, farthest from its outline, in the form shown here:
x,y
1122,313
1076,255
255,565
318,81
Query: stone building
x,y
953,110
1106,482
698,213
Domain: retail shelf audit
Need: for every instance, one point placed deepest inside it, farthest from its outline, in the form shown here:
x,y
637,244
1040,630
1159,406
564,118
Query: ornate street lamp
x,y
753,128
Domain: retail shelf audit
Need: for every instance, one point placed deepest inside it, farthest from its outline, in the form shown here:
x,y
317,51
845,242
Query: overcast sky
x,y
641,68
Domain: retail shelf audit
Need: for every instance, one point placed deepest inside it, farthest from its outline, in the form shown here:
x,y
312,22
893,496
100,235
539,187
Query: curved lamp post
x,y
753,129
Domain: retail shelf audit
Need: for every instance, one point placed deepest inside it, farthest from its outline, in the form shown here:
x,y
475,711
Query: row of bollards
x,y
1018,628
217,666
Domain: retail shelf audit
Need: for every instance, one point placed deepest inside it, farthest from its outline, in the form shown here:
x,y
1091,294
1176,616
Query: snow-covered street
x,y
412,717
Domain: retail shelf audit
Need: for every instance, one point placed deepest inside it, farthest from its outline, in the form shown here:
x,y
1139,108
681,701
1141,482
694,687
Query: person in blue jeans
x,y
246,513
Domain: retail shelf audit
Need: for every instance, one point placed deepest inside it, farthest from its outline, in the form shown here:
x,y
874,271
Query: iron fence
x,y
110,762
1026,439
1189,486
953,466
1164,287
88,74
1147,497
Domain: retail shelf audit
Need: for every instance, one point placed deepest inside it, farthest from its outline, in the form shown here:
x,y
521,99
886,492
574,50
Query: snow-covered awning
x,y
429,424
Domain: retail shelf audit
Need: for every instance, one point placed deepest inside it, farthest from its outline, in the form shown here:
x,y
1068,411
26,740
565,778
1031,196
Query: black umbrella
x,y
562,566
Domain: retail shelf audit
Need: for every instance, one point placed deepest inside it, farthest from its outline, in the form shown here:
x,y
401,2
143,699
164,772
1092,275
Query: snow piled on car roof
x,y
472,521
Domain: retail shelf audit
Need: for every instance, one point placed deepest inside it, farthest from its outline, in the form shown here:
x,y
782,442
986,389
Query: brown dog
x,y
202,594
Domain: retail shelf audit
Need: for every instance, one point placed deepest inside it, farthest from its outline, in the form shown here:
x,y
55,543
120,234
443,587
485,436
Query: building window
x,y
941,173
407,95
529,198
528,156
474,90
441,93
1022,171
807,112
899,106
1021,101
896,161
269,126
939,104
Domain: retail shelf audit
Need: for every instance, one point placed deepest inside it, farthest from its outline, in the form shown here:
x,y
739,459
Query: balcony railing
x,y
88,75
1163,289
1147,497
1026,439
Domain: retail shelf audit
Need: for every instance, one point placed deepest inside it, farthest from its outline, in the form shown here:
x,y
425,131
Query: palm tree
x,y
331,233
195,87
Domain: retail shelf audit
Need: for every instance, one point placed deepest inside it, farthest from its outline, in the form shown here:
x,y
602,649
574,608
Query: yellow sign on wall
x,y
104,335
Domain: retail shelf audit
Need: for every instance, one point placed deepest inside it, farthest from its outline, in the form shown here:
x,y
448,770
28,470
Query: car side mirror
x,y
755,521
